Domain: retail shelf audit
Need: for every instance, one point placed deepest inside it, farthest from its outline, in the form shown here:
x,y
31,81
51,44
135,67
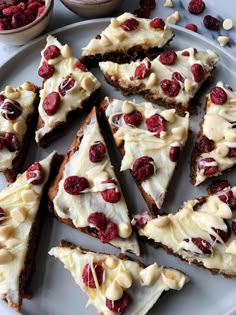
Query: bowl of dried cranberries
x,y
23,20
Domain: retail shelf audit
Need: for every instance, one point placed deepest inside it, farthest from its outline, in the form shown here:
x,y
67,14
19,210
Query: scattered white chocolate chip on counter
x,y
168,4
177,16
223,40
5,256
149,275
124,230
111,263
171,19
114,292
227,24
124,279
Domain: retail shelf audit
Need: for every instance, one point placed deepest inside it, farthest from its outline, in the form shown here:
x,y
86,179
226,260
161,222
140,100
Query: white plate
x,y
54,290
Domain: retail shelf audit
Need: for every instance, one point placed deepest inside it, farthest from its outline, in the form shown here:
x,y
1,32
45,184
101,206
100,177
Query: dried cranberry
x,y
218,95
232,202
148,4
142,70
211,23
109,233
19,20
155,123
21,5
130,25
119,306
206,145
10,110
157,23
176,76
142,13
88,278
191,27
65,86
203,245
73,185
232,153
35,174
97,152
167,57
226,195
3,5
111,195
196,7
224,235
46,71
174,153
170,87
32,9
2,215
143,168
140,220
51,102
41,10
185,53
98,219
98,36
11,10
198,72
234,226
4,24
51,52
11,142
209,166
80,66
217,186
133,119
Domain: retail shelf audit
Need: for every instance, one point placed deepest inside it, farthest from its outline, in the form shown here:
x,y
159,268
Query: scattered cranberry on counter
x,y
192,27
19,13
196,7
211,23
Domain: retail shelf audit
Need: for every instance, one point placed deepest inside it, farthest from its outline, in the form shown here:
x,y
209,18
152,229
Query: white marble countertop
x,y
218,8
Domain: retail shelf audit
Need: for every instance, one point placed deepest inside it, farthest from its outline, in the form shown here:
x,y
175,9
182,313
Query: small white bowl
x,y
92,8
21,35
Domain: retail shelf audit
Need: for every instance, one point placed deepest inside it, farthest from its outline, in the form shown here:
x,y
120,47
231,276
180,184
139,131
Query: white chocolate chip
x,y
111,262
163,134
149,275
27,86
227,24
231,249
114,292
152,80
105,41
12,242
222,150
173,278
177,16
124,230
127,107
230,135
5,256
169,115
219,208
13,95
28,196
189,85
87,84
120,35
124,279
168,4
18,214
9,89
161,221
171,19
179,132
19,127
5,232
114,23
66,51
223,40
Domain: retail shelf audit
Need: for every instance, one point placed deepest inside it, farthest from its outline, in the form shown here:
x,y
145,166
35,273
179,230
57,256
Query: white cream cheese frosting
x,y
120,276
151,83
140,142
79,207
64,65
114,38
25,95
195,225
20,202
219,126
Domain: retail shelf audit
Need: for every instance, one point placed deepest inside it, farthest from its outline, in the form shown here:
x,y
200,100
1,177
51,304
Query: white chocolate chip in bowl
x,y
227,24
111,262
5,256
124,230
124,279
149,274
114,292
